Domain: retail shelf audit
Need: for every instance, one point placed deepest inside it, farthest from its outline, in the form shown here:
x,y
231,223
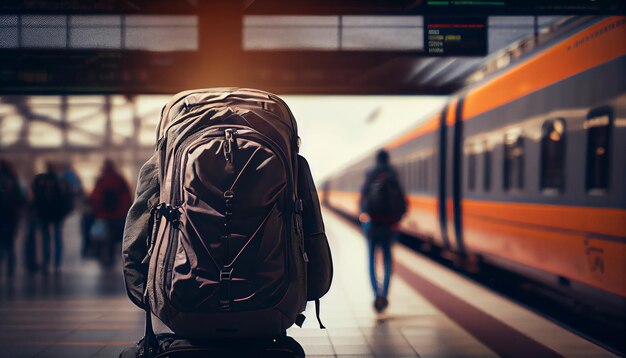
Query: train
x,y
525,169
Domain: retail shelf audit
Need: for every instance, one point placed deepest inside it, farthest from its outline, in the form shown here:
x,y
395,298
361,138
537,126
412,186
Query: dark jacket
x,y
51,197
11,200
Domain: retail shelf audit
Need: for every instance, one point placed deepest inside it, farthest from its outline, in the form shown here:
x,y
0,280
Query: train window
x,y
598,126
420,184
414,174
513,162
407,175
433,167
410,176
425,172
424,177
486,167
553,155
471,169
422,169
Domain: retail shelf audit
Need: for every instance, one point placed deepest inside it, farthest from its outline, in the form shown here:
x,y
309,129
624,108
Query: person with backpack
x,y
11,203
225,242
110,201
52,202
383,203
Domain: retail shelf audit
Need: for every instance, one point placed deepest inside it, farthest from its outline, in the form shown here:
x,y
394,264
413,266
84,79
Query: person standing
x,y
11,203
383,203
110,201
52,201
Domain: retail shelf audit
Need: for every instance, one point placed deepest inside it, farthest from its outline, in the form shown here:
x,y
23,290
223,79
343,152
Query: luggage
x,y
173,347
386,202
225,237
99,232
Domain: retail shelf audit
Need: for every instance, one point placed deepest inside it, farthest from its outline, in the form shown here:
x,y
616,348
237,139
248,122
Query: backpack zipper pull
x,y
228,145
156,220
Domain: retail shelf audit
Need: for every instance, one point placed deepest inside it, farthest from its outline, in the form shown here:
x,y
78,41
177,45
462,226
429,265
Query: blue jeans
x,y
7,240
379,237
58,243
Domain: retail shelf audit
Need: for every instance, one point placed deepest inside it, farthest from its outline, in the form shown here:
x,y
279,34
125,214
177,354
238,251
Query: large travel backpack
x,y
386,202
235,240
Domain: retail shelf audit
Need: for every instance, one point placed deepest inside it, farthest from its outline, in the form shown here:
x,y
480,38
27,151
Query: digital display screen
x,y
444,36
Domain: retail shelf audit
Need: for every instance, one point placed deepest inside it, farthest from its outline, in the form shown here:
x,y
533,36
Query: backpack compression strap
x,y
149,345
300,318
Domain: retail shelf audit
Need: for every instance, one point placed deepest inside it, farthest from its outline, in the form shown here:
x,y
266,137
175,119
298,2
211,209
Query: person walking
x,y
52,202
383,203
11,203
110,201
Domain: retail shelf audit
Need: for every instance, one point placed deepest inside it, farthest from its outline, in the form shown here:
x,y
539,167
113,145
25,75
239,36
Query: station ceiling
x,y
287,47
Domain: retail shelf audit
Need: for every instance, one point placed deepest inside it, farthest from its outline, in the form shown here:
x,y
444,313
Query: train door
x,y
454,175
442,182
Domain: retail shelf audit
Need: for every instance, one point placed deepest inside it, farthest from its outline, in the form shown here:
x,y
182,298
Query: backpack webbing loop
x,y
155,221
226,275
228,204
317,314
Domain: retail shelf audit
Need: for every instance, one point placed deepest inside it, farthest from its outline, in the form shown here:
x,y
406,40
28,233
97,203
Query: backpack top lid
x,y
228,98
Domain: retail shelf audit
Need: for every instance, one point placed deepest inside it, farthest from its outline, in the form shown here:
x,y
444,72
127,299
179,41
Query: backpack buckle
x,y
228,144
169,212
226,274
228,203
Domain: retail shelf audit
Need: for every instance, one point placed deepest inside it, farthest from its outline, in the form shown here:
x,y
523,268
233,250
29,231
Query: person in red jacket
x,y
111,200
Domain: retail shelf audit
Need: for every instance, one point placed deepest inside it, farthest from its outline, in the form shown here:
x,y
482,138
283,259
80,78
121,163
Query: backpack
x,y
386,202
225,237
52,196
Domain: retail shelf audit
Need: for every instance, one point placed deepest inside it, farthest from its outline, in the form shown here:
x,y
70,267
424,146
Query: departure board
x,y
444,36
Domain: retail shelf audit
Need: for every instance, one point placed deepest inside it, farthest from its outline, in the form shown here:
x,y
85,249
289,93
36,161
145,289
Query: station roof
x,y
287,47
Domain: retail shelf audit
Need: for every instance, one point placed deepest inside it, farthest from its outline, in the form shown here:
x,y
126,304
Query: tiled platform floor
x,y
83,312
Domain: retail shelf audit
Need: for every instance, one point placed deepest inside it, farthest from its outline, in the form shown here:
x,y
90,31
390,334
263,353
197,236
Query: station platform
x,y
83,312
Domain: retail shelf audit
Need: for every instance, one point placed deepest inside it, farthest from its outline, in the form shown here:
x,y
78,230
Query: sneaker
x,y
380,303
385,304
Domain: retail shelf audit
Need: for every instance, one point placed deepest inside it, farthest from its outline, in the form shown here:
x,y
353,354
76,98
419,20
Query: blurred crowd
x,y
43,206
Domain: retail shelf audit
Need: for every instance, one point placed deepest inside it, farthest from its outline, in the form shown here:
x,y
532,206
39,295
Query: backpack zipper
x,y
178,152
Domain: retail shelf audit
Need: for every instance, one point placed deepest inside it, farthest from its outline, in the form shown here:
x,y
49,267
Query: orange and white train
x,y
526,169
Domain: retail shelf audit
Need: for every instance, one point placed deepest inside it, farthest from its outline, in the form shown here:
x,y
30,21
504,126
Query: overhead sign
x,y
444,36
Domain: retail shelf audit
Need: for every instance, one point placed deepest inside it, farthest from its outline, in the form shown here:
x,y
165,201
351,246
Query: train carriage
x,y
526,169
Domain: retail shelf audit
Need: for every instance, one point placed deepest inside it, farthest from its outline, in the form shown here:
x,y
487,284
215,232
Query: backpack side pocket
x,y
320,263
137,230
